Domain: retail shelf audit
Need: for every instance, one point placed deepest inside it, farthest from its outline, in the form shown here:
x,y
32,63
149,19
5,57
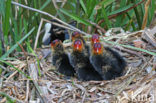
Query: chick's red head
x,y
76,35
55,43
78,45
95,39
97,48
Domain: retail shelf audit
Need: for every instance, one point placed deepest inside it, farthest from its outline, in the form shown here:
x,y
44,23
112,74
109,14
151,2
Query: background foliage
x,y
16,22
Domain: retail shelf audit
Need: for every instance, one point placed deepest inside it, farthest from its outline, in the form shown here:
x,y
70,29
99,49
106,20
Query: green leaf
x,y
61,15
25,25
43,6
137,14
16,45
2,8
9,100
15,37
75,17
83,6
151,11
132,23
90,7
106,2
7,16
120,18
106,18
121,9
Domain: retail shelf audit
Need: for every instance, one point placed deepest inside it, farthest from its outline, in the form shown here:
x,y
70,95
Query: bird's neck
x,y
58,51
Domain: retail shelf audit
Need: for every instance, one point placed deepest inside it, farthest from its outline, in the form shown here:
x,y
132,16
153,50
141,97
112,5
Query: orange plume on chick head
x,y
55,43
76,35
78,45
95,39
97,48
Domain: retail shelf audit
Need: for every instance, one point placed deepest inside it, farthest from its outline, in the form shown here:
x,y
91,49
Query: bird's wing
x,y
91,61
118,57
95,63
106,68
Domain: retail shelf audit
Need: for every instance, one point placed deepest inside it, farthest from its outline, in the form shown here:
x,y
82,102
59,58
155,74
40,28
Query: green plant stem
x,y
2,38
133,26
131,47
137,15
16,45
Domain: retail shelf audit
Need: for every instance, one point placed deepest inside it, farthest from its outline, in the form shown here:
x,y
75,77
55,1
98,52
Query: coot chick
x,y
60,59
80,61
107,62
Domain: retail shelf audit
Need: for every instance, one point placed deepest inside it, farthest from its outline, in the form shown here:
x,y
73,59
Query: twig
x,y
63,3
4,68
97,26
25,54
55,5
27,92
38,34
57,24
146,14
3,100
33,74
124,86
149,37
11,75
83,97
123,35
53,17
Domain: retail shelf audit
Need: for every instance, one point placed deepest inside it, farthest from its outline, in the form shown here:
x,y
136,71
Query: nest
x,y
138,84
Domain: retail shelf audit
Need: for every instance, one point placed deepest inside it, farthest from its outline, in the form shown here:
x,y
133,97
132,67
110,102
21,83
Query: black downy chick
x,y
80,61
60,59
107,62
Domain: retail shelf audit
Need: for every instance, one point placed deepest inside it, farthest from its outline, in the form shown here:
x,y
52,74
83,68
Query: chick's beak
x,y
78,47
97,51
